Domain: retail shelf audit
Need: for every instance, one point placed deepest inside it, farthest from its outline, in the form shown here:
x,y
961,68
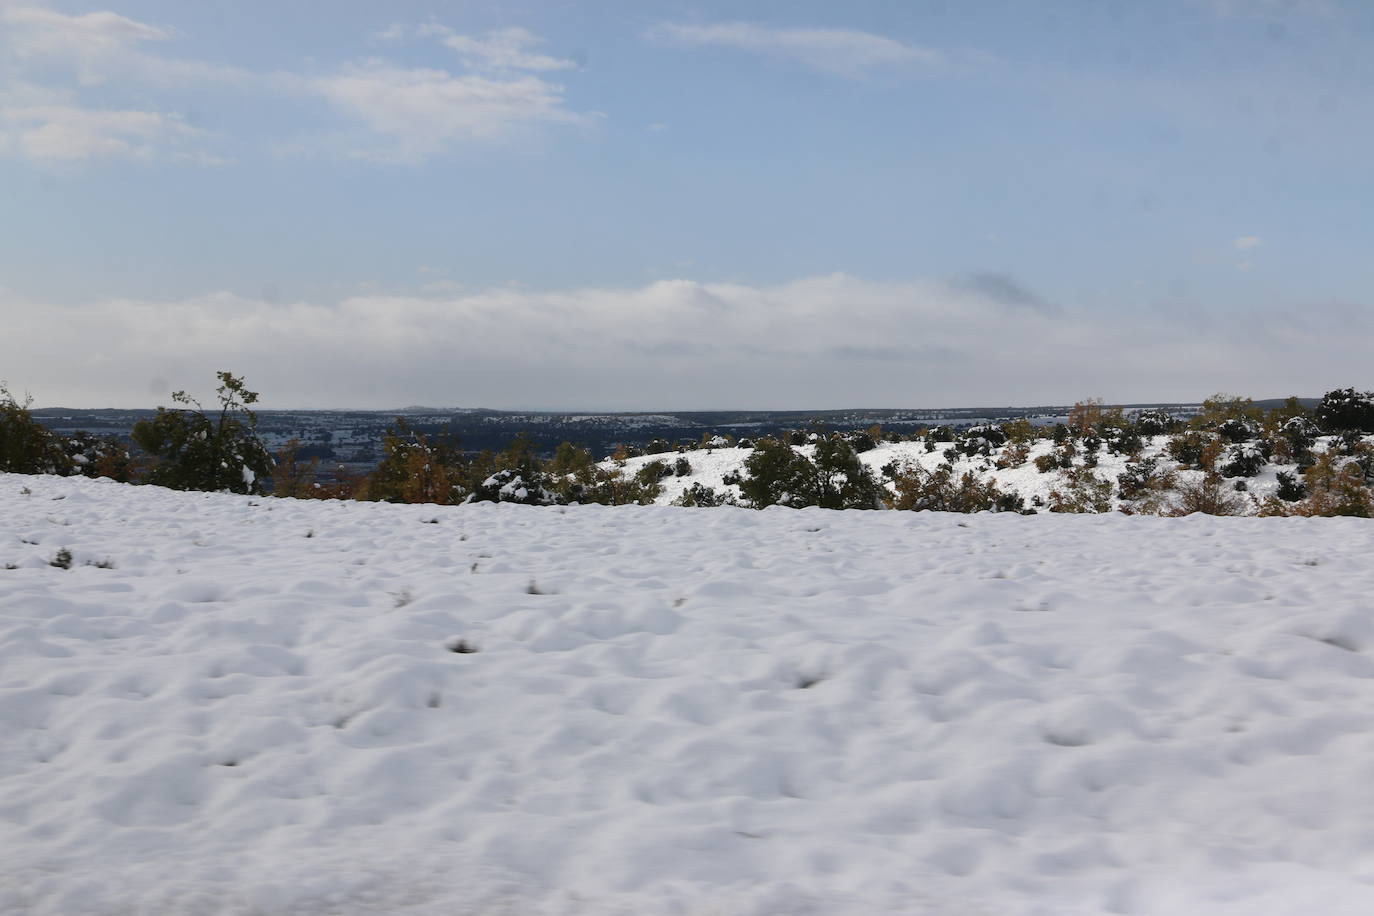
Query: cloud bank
x,y
828,341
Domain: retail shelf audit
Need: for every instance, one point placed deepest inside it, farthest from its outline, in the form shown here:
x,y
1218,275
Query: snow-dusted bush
x,y
1195,449
1346,408
1143,482
197,451
1237,429
1290,488
511,486
1156,422
699,495
1243,460
98,456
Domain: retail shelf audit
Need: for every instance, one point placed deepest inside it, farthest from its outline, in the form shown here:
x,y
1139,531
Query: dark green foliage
x,y
842,481
1188,449
520,478
1242,461
1124,440
1346,408
1156,422
1290,489
682,467
776,474
1139,479
653,471
27,446
698,495
62,559
196,451
1237,429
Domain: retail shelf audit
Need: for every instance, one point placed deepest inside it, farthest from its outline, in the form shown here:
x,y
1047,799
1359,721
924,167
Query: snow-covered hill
x,y
713,467
270,707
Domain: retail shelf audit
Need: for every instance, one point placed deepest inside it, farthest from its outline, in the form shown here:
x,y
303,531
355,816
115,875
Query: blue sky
x,y
650,205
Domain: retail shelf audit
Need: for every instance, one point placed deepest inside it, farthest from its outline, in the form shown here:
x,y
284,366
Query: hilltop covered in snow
x,y
218,704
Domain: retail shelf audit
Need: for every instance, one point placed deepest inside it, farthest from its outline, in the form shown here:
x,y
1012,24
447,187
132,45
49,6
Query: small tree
x,y
196,451
27,446
417,468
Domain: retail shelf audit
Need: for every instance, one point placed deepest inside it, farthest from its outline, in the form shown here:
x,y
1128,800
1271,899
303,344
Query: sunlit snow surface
x,y
674,711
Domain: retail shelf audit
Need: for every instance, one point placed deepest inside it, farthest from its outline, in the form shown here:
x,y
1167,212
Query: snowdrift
x,y
232,705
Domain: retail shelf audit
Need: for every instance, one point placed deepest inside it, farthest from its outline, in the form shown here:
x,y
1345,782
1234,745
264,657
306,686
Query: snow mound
x,y
272,707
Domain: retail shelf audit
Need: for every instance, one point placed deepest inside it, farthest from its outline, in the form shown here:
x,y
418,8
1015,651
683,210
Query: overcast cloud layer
x,y
832,341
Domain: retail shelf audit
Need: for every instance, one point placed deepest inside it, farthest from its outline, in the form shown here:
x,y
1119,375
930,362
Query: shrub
x,y
27,446
1337,485
1144,481
1194,449
416,468
841,480
916,489
1013,456
1290,488
1238,429
1243,461
1219,408
698,495
197,452
520,478
1156,422
99,456
776,474
1046,462
1208,495
1083,491
1346,408
1085,417
291,475
682,467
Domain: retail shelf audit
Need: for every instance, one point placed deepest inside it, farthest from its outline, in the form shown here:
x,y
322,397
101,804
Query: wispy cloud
x,y
67,133
419,113
103,46
843,52
1246,241
511,48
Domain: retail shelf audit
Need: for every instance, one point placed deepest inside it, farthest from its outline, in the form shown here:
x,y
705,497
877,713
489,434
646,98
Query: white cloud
x,y
421,112
826,341
510,48
845,52
38,30
66,133
103,46
1247,241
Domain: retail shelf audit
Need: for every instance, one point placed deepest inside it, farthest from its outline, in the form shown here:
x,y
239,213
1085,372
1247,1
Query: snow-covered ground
x,y
254,707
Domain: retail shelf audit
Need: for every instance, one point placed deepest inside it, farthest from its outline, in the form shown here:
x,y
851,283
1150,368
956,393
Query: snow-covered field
x,y
257,709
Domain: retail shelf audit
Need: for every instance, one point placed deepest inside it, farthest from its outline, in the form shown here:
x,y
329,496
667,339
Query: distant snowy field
x,y
257,711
